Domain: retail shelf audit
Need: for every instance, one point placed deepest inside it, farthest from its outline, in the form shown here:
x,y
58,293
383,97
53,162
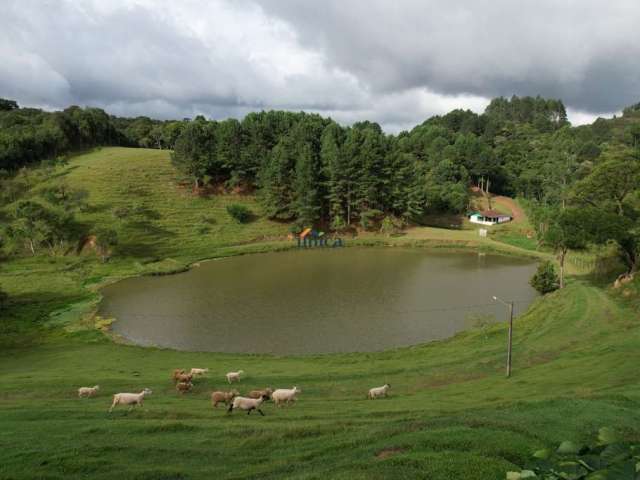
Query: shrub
x,y
387,227
106,240
4,298
296,229
610,458
338,224
545,280
239,213
369,218
391,225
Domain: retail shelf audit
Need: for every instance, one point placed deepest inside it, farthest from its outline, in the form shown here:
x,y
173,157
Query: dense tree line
x,y
595,191
309,169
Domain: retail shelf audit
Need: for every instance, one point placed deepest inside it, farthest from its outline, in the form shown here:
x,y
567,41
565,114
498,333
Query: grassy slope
x,y
165,235
452,413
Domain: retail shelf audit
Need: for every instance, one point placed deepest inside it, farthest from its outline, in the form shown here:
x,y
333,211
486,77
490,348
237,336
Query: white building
x,y
489,217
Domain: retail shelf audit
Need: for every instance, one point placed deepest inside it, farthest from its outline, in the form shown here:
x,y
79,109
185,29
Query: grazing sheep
x,y
183,378
285,395
261,393
198,371
132,399
88,391
223,397
234,376
379,392
183,387
247,404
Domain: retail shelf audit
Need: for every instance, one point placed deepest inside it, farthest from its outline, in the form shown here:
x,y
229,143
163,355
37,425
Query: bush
x,y
4,298
239,213
545,280
609,458
106,240
391,225
369,218
296,229
338,224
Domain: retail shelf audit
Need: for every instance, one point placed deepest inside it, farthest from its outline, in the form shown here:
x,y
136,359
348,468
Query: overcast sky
x,y
396,62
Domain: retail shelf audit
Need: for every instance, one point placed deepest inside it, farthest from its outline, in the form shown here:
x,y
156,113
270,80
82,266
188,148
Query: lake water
x,y
317,300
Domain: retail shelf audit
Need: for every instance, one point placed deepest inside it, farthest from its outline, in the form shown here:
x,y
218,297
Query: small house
x,y
489,217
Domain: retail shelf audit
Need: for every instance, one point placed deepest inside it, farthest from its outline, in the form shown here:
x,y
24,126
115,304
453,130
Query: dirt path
x,y
516,212
507,203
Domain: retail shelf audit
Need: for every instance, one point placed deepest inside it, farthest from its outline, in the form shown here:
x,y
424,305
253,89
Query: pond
x,y
317,300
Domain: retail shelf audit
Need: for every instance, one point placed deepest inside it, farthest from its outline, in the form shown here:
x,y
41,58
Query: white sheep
x,y
379,391
234,376
285,395
247,404
132,399
88,391
198,371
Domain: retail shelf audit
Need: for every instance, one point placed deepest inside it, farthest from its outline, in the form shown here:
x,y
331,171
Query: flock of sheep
x,y
231,398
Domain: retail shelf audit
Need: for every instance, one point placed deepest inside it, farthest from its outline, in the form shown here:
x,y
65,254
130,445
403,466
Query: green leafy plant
x,y
239,213
338,224
609,459
391,225
369,218
296,228
545,280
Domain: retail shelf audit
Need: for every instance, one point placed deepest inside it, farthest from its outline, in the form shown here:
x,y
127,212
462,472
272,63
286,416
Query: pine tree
x,y
307,199
370,183
335,171
228,140
349,160
276,181
194,151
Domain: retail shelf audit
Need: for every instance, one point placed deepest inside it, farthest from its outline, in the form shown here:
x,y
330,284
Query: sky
x,y
395,62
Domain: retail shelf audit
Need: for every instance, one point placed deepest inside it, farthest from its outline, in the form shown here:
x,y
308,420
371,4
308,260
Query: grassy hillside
x,y
163,218
162,227
451,413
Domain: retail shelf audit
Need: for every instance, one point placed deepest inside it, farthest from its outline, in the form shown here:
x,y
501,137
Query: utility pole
x,y
510,339
509,305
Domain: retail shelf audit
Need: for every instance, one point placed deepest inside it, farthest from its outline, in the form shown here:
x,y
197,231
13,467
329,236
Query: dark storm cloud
x,y
581,51
392,62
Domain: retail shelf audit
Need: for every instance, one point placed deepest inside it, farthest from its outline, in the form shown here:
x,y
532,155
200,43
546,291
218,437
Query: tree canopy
x,y
309,169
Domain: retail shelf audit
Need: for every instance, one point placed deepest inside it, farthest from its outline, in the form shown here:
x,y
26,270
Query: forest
x,y
306,169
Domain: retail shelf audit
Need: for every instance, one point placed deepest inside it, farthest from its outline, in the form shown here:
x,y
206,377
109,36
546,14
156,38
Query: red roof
x,y
493,214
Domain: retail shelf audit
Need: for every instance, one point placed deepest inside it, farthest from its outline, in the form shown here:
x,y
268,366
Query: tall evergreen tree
x,y
276,181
